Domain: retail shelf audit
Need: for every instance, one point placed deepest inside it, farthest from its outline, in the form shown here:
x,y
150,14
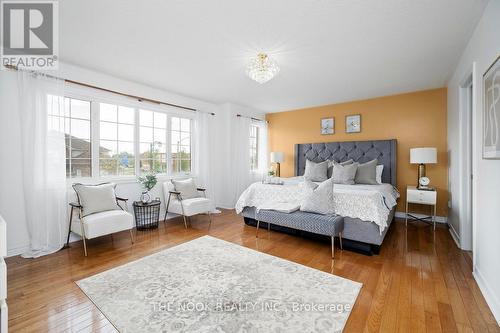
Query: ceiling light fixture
x,y
262,68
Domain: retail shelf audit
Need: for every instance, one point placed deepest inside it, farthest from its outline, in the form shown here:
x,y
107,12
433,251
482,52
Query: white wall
x,y
11,192
483,48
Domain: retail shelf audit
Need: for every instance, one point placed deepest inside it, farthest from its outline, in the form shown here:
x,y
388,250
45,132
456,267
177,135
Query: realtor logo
x,y
29,34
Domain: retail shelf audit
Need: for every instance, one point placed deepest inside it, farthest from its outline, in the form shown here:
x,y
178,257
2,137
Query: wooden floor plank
x,y
420,281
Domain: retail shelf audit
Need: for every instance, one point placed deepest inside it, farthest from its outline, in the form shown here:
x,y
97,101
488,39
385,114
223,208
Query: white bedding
x,y
371,203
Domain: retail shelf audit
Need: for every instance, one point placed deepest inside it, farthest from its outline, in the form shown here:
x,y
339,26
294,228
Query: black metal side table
x,y
146,214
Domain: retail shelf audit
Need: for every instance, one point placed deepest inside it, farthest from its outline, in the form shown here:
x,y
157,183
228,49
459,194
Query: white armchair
x,y
99,213
187,207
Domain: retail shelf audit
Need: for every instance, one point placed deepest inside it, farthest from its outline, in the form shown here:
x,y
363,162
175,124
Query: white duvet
x,y
371,203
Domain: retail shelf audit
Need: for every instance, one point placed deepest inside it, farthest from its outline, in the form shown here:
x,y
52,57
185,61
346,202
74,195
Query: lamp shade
x,y
423,155
276,157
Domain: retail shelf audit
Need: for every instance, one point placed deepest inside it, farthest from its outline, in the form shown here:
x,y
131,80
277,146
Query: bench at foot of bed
x,y
330,226
347,244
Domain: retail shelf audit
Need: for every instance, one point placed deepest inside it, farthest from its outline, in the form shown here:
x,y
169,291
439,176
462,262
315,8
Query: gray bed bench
x,y
328,225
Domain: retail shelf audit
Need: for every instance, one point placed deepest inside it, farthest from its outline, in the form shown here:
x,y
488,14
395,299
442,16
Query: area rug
x,y
210,285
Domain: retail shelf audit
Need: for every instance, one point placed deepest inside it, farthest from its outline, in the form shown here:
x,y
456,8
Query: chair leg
x,y
84,246
69,228
185,222
333,247
132,236
257,231
83,237
165,218
209,219
340,239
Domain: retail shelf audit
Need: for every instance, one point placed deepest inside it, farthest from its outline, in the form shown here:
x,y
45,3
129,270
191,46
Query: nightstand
x,y
422,197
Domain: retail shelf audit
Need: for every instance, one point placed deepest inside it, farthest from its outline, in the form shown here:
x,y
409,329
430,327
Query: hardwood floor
x,y
420,281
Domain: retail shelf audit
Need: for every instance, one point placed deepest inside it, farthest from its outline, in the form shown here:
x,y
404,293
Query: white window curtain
x,y
204,160
241,175
41,100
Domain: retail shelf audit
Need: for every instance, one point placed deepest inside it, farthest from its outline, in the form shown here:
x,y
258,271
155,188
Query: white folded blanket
x,y
283,207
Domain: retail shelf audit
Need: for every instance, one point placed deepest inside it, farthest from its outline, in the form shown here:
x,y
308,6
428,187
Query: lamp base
x,y
421,173
277,173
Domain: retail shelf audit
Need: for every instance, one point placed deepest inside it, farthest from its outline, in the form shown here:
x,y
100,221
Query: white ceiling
x,y
329,50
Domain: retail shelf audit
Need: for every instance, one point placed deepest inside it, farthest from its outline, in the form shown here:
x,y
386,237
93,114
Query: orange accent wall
x,y
415,119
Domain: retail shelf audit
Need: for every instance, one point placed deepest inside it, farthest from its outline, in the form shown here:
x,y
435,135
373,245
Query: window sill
x,y
126,179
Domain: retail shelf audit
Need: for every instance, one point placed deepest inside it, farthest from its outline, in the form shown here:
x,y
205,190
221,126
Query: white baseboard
x,y
488,294
17,250
454,235
439,219
225,207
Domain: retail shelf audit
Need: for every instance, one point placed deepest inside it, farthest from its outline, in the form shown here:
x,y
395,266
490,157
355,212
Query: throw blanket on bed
x,y
371,203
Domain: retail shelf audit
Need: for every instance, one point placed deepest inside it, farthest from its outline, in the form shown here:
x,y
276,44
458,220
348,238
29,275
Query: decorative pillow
x,y
320,200
187,187
344,174
96,198
367,173
330,166
316,172
308,185
379,170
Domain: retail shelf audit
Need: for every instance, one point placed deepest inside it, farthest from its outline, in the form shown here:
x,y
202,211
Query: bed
x,y
363,231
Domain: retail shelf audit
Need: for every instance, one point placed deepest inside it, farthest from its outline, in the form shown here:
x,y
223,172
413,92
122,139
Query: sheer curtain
x,y
41,101
263,151
240,156
205,143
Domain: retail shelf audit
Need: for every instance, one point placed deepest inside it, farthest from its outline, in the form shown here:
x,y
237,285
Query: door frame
x,y
468,150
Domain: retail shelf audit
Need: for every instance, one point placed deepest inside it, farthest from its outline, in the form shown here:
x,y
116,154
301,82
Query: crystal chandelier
x,y
262,68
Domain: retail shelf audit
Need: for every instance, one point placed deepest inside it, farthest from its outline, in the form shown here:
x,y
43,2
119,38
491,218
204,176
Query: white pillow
x,y
378,171
344,174
96,198
320,200
187,187
316,172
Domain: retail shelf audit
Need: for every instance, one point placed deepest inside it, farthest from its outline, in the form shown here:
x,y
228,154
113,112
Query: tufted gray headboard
x,y
359,151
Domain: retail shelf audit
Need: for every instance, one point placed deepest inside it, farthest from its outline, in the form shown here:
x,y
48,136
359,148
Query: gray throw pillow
x,y
344,174
320,201
330,166
187,187
96,198
367,173
316,172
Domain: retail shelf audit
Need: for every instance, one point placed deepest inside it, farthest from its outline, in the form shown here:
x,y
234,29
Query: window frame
x,y
257,145
96,97
191,142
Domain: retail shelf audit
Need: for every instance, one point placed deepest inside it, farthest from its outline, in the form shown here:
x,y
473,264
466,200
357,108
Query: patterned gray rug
x,y
210,285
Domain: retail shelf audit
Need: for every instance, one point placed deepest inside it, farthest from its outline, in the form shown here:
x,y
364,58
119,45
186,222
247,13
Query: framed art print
x,y
327,126
353,123
491,111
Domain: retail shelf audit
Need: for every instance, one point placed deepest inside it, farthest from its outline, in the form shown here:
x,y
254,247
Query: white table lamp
x,y
277,157
423,156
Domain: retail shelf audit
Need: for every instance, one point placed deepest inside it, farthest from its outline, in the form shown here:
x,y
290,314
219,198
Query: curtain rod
x,y
251,118
140,99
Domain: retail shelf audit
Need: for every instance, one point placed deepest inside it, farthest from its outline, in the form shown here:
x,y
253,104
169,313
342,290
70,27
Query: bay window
x,y
75,122
112,140
153,141
180,130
